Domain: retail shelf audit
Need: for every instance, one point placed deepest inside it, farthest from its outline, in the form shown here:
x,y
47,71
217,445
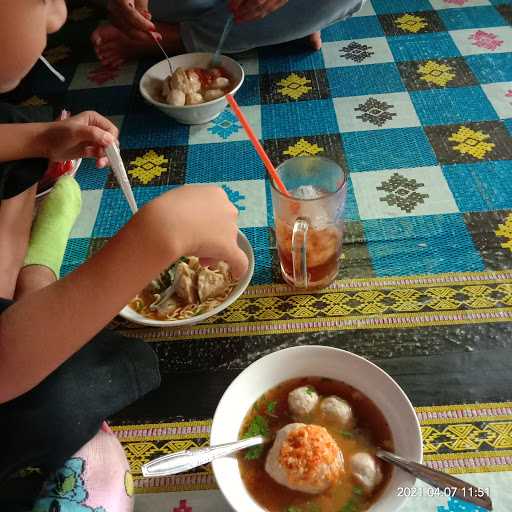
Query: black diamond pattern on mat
x,y
409,23
490,232
294,86
151,167
436,74
402,192
329,146
356,52
375,112
470,142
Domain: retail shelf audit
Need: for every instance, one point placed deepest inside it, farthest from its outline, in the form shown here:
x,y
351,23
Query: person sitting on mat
x,y
196,25
61,373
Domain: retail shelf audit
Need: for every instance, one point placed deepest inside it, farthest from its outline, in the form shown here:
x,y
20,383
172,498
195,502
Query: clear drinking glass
x,y
309,222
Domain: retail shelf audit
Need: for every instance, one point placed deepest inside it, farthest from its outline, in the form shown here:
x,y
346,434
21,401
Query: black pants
x,y
18,176
49,423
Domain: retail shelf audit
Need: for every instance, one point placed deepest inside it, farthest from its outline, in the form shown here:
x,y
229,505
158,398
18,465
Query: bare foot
x,y
315,40
112,47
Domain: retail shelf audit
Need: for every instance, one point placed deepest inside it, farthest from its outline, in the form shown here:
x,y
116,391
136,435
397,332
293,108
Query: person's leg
x,y
112,47
201,32
60,419
57,424
284,25
97,477
16,216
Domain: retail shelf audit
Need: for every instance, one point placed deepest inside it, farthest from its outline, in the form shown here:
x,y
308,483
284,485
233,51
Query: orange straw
x,y
256,143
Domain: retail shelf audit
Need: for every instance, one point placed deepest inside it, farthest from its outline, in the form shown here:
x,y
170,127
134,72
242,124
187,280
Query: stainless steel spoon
x,y
155,38
227,27
443,481
188,459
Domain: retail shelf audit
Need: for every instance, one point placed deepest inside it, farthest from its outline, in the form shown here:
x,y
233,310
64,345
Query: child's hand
x,y
194,220
84,135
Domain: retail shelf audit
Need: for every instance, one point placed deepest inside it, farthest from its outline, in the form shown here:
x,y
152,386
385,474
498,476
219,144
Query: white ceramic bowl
x,y
76,165
151,83
129,314
314,361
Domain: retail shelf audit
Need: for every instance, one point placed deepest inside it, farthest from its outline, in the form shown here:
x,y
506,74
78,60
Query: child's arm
x,y
45,328
83,135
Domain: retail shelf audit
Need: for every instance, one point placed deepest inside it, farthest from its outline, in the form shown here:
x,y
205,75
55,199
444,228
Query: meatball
x,y
213,94
366,470
337,410
166,86
302,401
193,98
176,98
189,83
194,79
304,458
220,83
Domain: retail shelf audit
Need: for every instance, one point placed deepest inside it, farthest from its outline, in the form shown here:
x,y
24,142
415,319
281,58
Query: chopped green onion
x,y
253,453
357,490
350,506
257,427
271,407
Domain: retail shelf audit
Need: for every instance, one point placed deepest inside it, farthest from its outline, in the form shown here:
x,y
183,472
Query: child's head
x,y
24,25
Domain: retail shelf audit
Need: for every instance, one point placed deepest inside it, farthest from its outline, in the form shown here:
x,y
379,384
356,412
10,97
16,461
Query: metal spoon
x,y
448,483
227,27
155,38
189,459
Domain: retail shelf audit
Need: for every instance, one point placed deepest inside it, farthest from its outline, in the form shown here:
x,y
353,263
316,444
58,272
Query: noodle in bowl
x,y
138,310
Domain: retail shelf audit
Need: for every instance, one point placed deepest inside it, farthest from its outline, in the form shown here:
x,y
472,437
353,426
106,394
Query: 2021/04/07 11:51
x,y
429,492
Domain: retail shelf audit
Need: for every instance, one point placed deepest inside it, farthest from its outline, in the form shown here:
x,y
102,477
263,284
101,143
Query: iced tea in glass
x,y
309,222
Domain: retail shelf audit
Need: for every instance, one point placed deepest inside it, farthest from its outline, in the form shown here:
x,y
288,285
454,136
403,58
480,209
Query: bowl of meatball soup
x,y
325,412
195,92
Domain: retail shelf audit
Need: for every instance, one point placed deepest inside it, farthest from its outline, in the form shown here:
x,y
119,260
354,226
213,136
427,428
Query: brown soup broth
x,y
371,430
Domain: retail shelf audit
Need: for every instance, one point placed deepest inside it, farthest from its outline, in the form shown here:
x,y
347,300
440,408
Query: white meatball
x,y
304,458
194,98
366,470
337,410
176,98
194,80
166,86
187,82
220,83
302,401
213,94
